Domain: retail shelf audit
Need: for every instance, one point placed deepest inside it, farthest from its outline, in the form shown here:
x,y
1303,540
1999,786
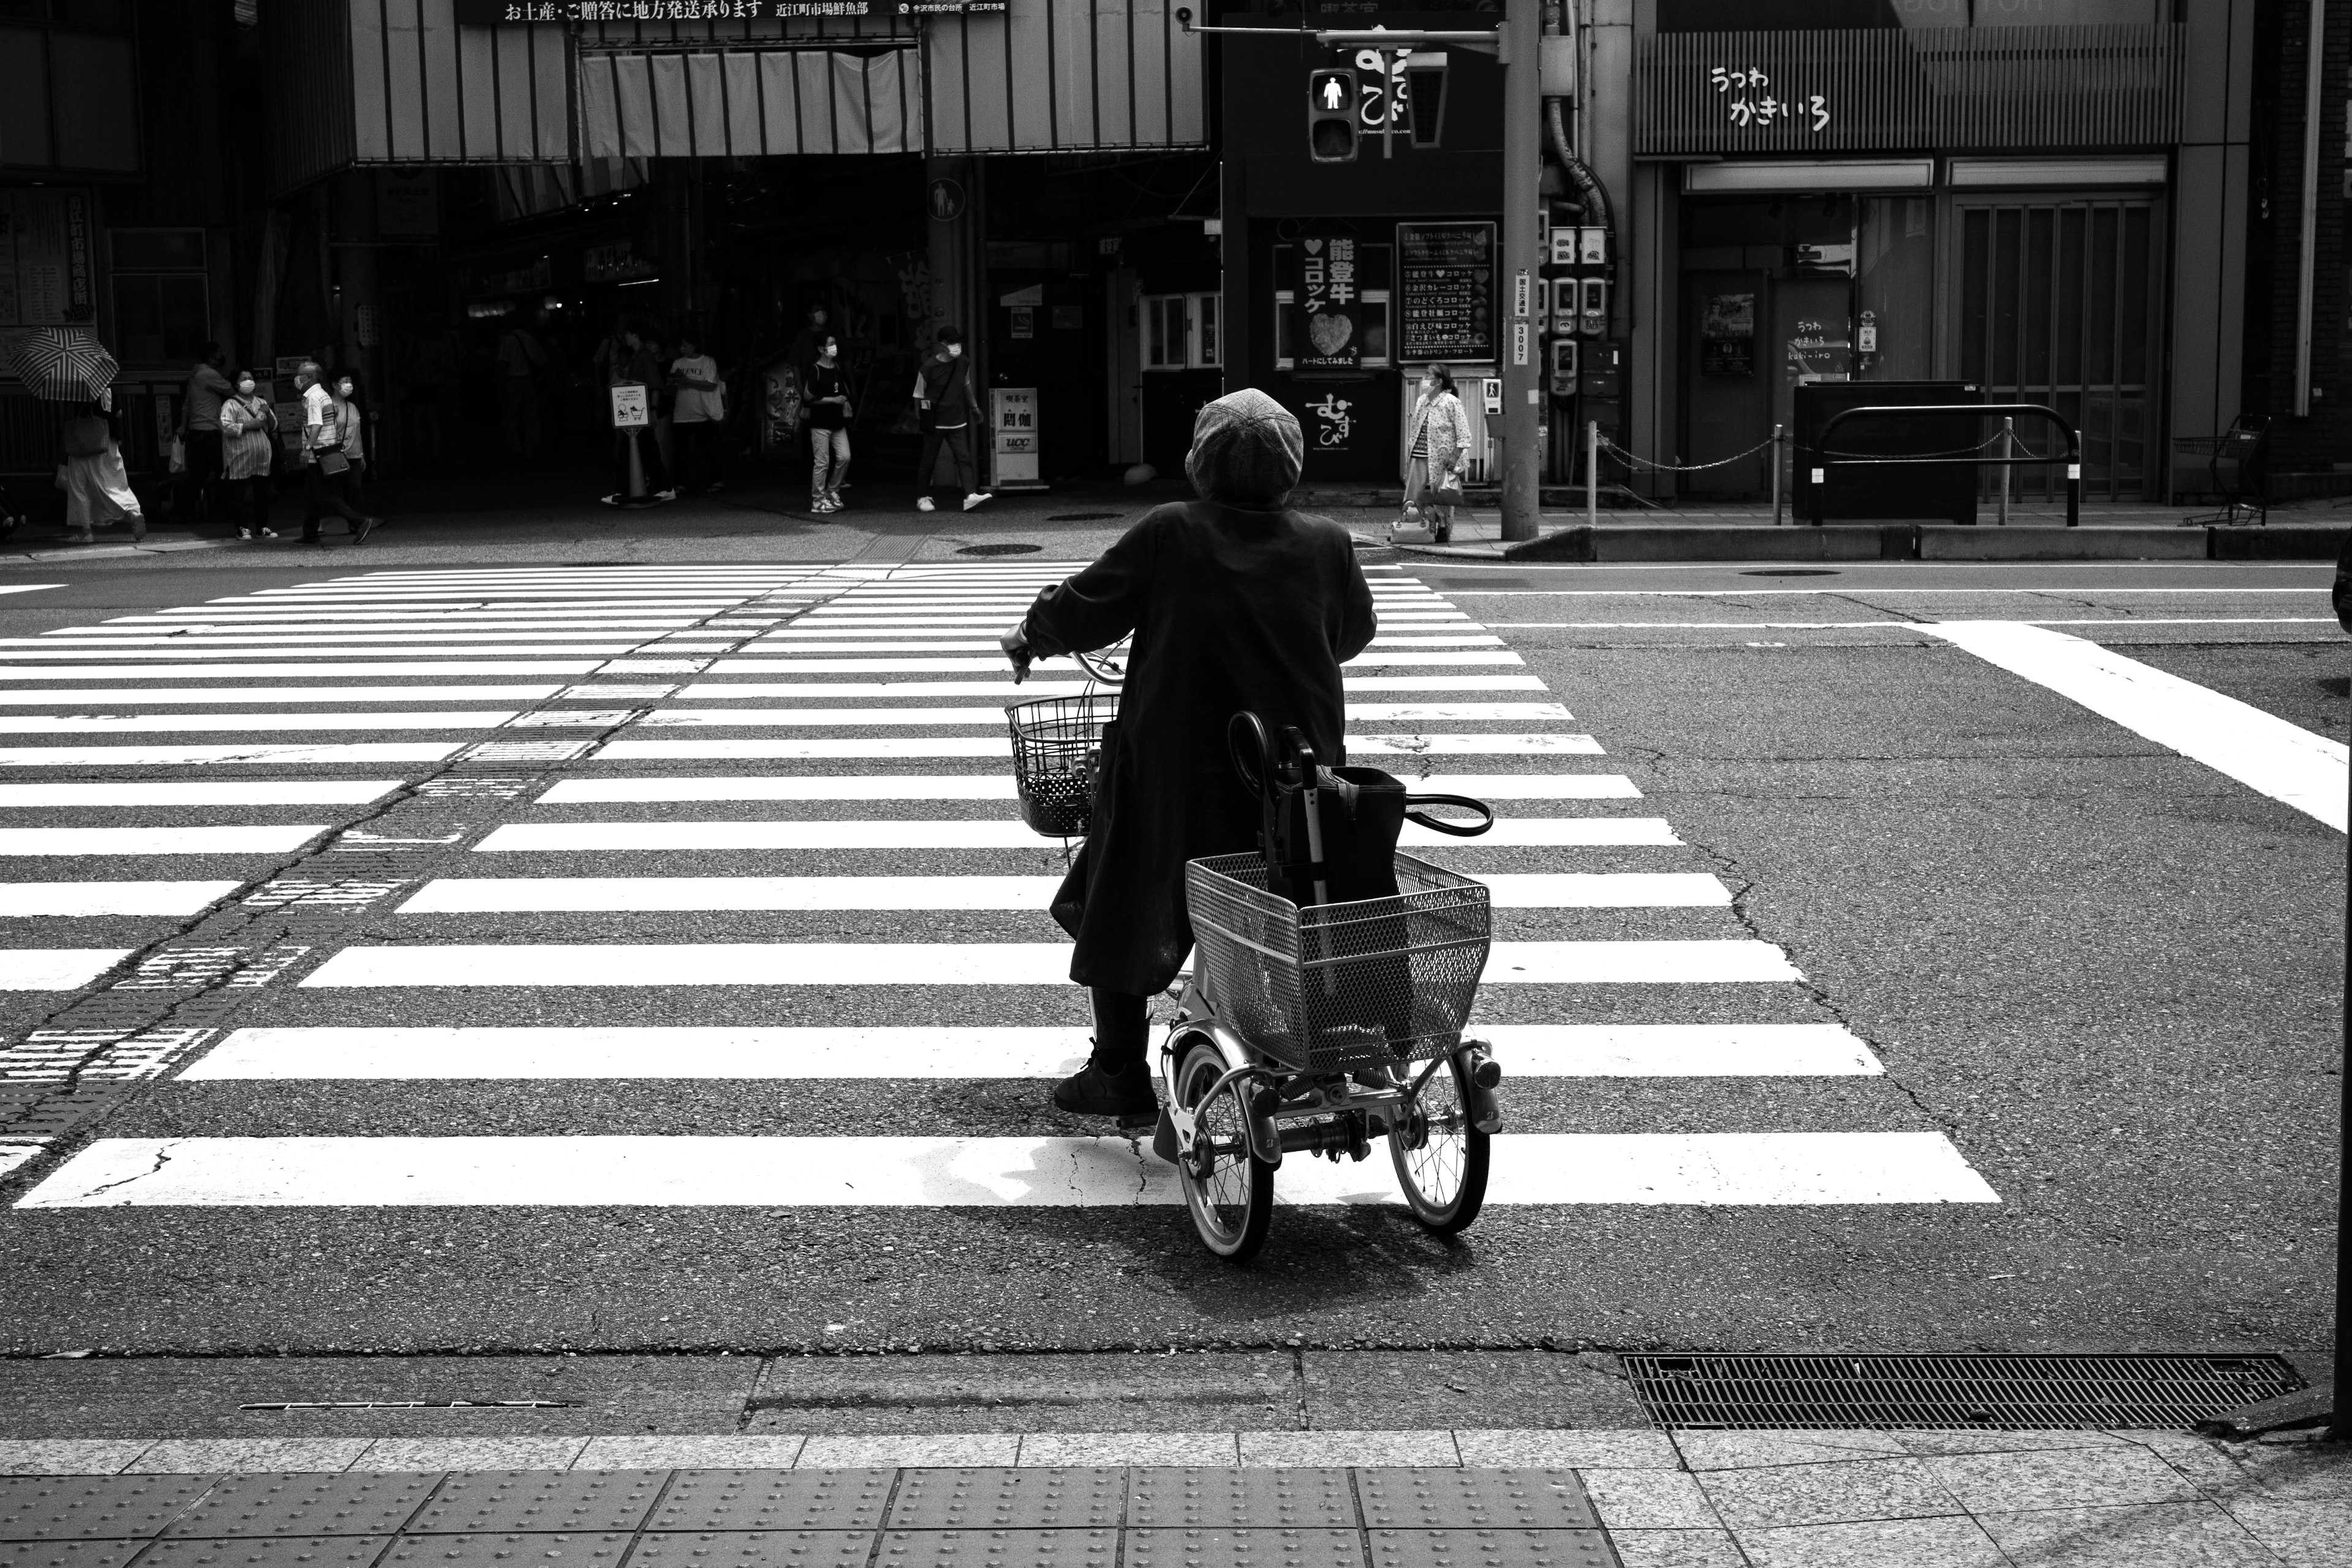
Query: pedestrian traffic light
x,y
1331,116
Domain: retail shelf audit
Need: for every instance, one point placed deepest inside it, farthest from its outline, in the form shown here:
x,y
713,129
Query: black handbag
x,y
1329,835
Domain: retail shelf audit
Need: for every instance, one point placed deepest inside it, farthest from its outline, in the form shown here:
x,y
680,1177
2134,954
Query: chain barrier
x,y
1613,449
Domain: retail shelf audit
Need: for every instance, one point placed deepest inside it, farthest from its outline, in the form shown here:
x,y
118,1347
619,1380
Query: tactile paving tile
x,y
508,1551
755,1549
93,1508
998,1548
1488,1548
771,1500
275,1551
500,1503
1206,1499
1244,1548
1460,1499
356,1502
1042,1498
68,1553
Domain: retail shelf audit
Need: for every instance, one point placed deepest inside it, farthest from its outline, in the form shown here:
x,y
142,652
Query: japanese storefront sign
x,y
46,275
1014,447
1330,424
504,12
1445,290
1750,101
1326,331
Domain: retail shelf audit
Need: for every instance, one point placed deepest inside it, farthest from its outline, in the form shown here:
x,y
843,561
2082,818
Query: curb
x,y
1909,541
102,551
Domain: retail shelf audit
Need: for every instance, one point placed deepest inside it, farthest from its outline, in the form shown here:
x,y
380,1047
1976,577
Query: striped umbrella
x,y
61,365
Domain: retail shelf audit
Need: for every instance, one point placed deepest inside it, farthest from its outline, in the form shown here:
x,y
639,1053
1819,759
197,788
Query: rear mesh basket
x,y
1337,986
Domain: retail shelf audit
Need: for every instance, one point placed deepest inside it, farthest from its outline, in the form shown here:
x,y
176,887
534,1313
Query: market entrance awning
x,y
749,103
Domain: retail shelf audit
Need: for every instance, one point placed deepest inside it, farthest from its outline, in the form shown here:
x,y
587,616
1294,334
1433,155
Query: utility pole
x,y
1522,192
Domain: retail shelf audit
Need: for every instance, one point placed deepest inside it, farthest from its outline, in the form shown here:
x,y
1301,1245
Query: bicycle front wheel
x,y
1441,1158
1228,1189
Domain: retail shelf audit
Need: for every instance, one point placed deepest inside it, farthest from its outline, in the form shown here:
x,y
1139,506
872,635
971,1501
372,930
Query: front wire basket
x,y
1334,987
1056,753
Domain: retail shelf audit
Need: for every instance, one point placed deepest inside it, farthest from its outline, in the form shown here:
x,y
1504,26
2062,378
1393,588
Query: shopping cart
x,y
1315,1029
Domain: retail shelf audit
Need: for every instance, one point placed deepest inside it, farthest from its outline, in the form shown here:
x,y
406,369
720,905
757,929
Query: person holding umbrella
x,y
97,488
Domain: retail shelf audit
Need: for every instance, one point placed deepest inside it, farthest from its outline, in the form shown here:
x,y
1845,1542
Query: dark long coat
x,y
1232,609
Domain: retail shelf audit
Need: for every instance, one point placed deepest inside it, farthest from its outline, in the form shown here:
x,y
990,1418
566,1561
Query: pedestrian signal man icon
x,y
1331,116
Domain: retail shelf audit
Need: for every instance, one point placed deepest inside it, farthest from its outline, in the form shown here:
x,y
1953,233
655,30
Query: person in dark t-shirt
x,y
828,423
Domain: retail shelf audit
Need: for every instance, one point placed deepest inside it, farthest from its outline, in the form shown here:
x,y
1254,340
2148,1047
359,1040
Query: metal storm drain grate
x,y
1083,517
2013,1393
1000,550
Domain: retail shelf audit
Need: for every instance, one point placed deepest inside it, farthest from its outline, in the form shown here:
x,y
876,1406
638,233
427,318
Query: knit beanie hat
x,y
1246,450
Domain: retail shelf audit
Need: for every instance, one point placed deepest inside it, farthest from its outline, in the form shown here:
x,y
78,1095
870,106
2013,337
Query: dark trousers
x,y
704,437
203,454
648,456
326,494
1122,1029
957,442
250,498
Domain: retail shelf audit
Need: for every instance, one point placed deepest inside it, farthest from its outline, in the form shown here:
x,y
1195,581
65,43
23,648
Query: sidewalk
x,y
1644,1499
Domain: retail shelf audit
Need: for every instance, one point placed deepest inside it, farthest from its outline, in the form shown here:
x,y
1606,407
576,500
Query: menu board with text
x,y
45,273
1445,291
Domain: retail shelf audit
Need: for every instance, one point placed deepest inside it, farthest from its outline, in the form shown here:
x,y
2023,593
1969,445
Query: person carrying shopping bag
x,y
98,489
1437,454
249,440
327,478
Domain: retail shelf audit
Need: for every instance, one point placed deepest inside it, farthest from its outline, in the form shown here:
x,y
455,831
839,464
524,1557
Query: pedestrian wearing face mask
x,y
943,389
828,423
327,471
249,442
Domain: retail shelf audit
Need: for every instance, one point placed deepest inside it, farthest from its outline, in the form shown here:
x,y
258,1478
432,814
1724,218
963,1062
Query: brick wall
x,y
2275,235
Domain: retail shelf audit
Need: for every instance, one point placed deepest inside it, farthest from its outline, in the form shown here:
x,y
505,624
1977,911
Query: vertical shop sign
x,y
1445,290
1326,300
1014,444
1726,336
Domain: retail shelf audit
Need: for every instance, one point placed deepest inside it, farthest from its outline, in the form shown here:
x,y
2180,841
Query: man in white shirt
x,y
520,359
326,472
697,423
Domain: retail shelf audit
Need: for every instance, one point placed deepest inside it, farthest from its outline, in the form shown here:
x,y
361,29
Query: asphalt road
x,y
2107,974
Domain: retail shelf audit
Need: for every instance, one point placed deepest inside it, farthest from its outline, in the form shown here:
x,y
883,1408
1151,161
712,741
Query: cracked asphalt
x,y
2109,975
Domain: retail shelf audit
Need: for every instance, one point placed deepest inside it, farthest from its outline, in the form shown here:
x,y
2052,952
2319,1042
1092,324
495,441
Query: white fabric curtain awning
x,y
749,103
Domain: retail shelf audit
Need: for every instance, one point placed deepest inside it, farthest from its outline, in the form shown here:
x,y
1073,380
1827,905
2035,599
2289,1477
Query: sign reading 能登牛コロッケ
x,y
1445,291
1326,303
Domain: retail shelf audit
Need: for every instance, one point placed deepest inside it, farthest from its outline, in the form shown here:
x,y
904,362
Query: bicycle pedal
x,y
1138,1123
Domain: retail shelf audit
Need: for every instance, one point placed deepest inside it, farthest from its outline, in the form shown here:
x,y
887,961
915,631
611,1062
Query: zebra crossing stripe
x,y
541,895
244,793
149,723
238,839
987,787
367,753
707,690
939,1052
286,671
990,964
56,968
738,664
52,899
257,694
1717,1169
879,747
603,837
861,718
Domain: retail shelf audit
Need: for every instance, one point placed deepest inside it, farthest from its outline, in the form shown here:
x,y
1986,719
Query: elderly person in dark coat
x,y
1237,604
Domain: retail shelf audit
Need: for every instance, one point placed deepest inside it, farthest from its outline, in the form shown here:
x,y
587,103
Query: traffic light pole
x,y
1521,352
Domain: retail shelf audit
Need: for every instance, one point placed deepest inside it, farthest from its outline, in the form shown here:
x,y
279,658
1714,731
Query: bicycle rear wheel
x,y
1228,1190
1441,1158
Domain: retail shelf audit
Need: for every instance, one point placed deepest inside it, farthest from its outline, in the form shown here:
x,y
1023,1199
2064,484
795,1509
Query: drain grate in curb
x,y
1000,550
2000,1391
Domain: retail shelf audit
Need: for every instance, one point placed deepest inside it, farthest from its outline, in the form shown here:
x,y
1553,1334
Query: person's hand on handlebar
x,y
1015,644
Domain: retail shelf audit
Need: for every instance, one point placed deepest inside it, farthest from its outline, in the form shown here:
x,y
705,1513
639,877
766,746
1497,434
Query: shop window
x,y
162,304
1181,331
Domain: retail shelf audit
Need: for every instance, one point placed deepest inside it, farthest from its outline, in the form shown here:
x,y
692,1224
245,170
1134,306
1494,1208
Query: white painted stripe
x,y
999,786
151,724
243,793
56,968
534,895
704,691
966,964
607,838
796,664
861,718
29,587
188,647
282,694
1723,1169
23,900
370,753
1678,1051
241,839
284,671
879,747
1525,1051
2264,753
786,786
427,639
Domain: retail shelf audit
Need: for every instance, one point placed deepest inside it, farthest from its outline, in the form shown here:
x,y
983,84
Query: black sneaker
x,y
1091,1091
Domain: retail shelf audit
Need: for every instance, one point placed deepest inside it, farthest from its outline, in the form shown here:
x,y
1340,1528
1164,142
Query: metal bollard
x,y
1776,474
1592,473
2008,449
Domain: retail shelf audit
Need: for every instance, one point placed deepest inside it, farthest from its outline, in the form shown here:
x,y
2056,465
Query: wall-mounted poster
x,y
1328,330
1727,335
1445,291
46,278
